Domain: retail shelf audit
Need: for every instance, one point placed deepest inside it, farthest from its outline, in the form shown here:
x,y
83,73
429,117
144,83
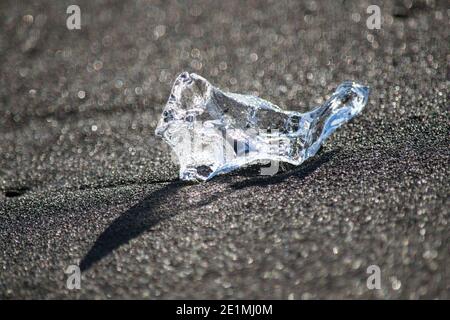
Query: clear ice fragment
x,y
214,132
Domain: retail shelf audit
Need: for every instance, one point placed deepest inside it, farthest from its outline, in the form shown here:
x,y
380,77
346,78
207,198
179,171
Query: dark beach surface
x,y
84,181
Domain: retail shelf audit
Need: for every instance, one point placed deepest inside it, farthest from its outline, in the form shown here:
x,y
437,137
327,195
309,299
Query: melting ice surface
x,y
214,132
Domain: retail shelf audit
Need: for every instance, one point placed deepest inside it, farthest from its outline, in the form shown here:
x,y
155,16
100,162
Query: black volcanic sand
x,y
83,179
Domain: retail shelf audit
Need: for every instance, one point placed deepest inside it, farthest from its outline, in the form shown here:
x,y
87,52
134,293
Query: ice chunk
x,y
214,132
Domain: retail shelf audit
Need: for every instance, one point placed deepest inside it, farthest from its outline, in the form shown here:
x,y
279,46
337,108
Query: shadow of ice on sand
x,y
143,216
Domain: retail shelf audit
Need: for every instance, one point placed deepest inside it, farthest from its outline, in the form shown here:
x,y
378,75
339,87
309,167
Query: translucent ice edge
x,y
214,132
